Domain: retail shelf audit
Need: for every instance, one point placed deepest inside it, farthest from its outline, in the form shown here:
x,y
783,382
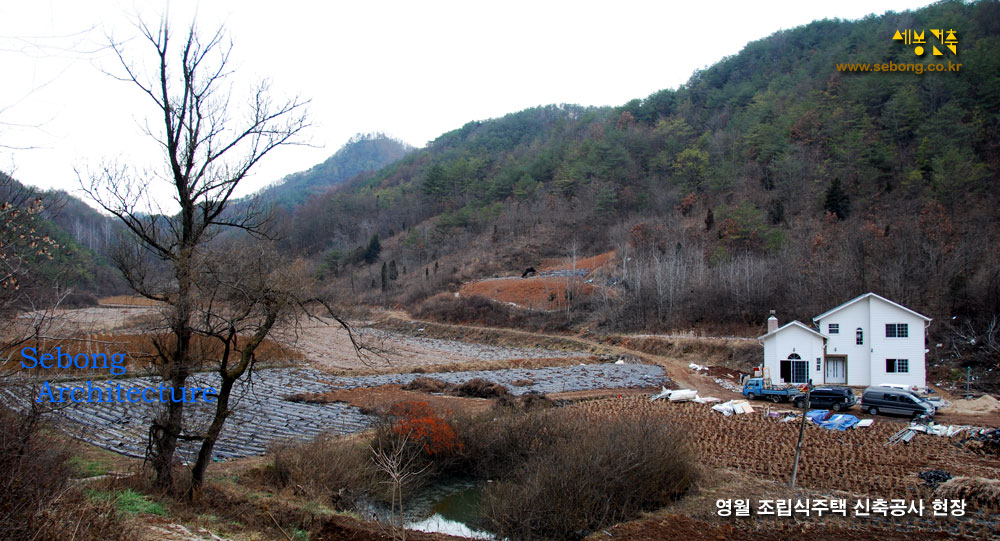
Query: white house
x,y
868,340
793,353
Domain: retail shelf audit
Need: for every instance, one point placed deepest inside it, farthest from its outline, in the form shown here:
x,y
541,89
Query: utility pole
x,y
802,429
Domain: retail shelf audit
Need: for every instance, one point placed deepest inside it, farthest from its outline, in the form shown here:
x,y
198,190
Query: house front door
x,y
836,370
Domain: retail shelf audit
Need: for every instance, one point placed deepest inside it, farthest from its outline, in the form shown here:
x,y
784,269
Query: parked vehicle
x,y
763,388
835,398
882,399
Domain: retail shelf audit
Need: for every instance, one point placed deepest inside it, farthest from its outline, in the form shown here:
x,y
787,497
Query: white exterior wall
x,y
910,348
793,339
866,363
844,343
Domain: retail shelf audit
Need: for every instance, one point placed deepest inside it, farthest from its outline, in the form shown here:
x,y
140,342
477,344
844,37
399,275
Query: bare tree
x,y
244,295
209,145
398,461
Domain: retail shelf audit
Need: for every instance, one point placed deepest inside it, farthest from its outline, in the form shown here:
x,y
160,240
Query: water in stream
x,y
453,513
451,508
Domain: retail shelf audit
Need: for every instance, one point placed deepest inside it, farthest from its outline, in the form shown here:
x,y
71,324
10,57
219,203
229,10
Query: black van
x,y
836,398
877,400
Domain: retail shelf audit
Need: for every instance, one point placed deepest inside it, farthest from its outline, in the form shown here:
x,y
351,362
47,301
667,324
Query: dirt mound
x,y
474,388
723,372
983,404
379,400
480,388
527,401
428,385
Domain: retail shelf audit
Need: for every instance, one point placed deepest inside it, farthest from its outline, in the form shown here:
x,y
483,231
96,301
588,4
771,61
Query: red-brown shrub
x,y
416,421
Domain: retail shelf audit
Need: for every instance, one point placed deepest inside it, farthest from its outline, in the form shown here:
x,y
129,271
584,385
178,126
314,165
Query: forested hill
x,y
362,153
76,241
769,180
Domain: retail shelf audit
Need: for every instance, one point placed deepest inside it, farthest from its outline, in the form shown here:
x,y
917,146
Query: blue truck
x,y
763,388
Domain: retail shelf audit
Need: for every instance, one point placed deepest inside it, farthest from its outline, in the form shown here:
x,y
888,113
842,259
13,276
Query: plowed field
x,y
558,283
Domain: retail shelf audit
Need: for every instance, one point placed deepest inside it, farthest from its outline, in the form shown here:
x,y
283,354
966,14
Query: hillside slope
x,y
770,180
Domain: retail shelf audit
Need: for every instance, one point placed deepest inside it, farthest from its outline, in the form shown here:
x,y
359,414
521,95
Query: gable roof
x,y
796,323
865,296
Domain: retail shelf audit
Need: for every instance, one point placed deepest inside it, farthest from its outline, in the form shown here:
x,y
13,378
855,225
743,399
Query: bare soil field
x,y
67,322
536,292
327,346
735,353
558,283
380,399
588,263
127,300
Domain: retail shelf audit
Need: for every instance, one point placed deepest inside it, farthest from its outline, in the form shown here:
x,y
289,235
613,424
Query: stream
x,y
450,508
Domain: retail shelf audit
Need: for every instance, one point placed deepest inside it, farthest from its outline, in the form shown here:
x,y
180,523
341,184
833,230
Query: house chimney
x,y
772,323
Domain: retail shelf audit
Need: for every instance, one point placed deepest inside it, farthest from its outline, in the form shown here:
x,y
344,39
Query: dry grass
x,y
38,500
856,461
589,263
501,364
428,385
494,336
127,300
138,349
536,293
588,476
729,353
335,471
978,491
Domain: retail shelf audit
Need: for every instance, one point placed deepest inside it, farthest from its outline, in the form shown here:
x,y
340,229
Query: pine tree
x,y
373,250
837,201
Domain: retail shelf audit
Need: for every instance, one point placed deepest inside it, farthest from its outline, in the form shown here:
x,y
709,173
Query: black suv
x,y
837,398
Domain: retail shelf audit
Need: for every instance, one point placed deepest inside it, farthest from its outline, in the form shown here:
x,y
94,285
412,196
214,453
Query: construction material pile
x,y
984,442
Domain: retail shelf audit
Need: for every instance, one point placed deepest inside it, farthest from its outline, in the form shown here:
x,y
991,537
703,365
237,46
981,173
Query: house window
x,y
834,328
819,365
859,337
897,366
897,330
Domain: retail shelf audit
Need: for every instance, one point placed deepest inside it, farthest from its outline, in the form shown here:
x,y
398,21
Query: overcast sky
x,y
411,69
